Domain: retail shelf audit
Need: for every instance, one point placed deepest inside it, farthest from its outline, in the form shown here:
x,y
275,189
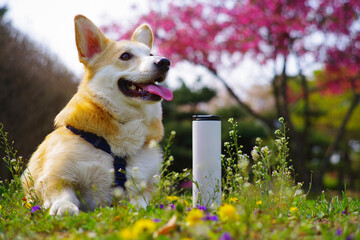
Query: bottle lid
x,y
206,118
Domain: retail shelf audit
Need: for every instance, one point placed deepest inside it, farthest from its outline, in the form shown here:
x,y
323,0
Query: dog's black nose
x,y
162,63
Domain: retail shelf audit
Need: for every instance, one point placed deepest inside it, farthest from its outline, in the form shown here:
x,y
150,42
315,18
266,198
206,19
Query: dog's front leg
x,y
140,174
64,202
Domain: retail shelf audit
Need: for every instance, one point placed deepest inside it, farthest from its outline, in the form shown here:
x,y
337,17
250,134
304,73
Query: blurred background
x,y
252,60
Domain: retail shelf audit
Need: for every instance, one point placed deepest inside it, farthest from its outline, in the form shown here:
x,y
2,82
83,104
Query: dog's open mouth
x,y
146,91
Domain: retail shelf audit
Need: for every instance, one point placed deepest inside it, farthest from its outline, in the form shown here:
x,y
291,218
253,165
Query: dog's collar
x,y
101,143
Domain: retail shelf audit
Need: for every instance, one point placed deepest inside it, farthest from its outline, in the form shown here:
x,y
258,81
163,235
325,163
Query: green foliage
x,y
185,95
326,118
272,175
270,206
14,164
181,150
326,113
11,160
235,175
245,126
234,112
168,180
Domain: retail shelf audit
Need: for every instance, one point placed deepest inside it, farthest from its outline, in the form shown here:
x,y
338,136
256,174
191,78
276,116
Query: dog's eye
x,y
151,54
125,56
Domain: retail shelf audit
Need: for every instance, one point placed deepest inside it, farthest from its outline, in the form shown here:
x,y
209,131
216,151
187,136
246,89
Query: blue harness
x,y
101,143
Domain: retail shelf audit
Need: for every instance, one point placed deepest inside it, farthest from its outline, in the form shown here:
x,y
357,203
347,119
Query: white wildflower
x,y
255,155
258,141
143,185
244,163
265,150
118,192
247,184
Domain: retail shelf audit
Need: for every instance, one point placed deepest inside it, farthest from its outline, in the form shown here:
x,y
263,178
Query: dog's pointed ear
x,y
89,39
144,35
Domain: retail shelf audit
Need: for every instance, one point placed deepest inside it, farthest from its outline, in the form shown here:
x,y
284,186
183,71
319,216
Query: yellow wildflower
x,y
172,198
127,234
28,205
259,202
194,216
233,199
186,203
293,209
143,226
0,207
227,212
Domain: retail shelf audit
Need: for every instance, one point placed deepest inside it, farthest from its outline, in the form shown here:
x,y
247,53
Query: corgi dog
x,y
111,126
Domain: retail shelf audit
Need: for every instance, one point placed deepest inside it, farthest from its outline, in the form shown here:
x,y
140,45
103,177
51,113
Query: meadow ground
x,y
260,200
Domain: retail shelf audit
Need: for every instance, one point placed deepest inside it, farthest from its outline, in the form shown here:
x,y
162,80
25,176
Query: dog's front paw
x,y
62,207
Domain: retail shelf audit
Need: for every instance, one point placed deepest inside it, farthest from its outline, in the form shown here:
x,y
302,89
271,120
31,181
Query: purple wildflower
x,y
338,232
350,237
35,208
156,220
226,236
172,206
203,208
211,217
161,206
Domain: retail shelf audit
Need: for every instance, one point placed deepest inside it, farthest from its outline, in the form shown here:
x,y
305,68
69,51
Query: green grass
x,y
260,201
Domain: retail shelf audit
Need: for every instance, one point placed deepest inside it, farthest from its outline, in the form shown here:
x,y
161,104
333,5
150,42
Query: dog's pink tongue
x,y
159,90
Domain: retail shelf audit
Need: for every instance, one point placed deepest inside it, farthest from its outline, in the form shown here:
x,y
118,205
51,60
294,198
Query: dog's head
x,y
121,71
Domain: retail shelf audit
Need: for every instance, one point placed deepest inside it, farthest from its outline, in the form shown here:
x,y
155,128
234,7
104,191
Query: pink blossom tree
x,y
270,31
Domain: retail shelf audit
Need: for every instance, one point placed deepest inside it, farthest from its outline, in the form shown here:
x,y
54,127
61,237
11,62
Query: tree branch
x,y
276,91
307,122
284,106
265,121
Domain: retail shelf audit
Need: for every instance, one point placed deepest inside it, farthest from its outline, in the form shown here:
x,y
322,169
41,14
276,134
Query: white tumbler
x,y
206,160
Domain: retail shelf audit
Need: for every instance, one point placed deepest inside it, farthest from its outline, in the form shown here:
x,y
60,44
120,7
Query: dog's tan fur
x,y
67,172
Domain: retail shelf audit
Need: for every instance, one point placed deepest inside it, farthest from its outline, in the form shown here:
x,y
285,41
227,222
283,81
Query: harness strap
x,y
101,143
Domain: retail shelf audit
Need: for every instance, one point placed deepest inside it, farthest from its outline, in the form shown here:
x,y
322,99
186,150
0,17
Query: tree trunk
x,y
297,142
276,94
334,145
307,127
